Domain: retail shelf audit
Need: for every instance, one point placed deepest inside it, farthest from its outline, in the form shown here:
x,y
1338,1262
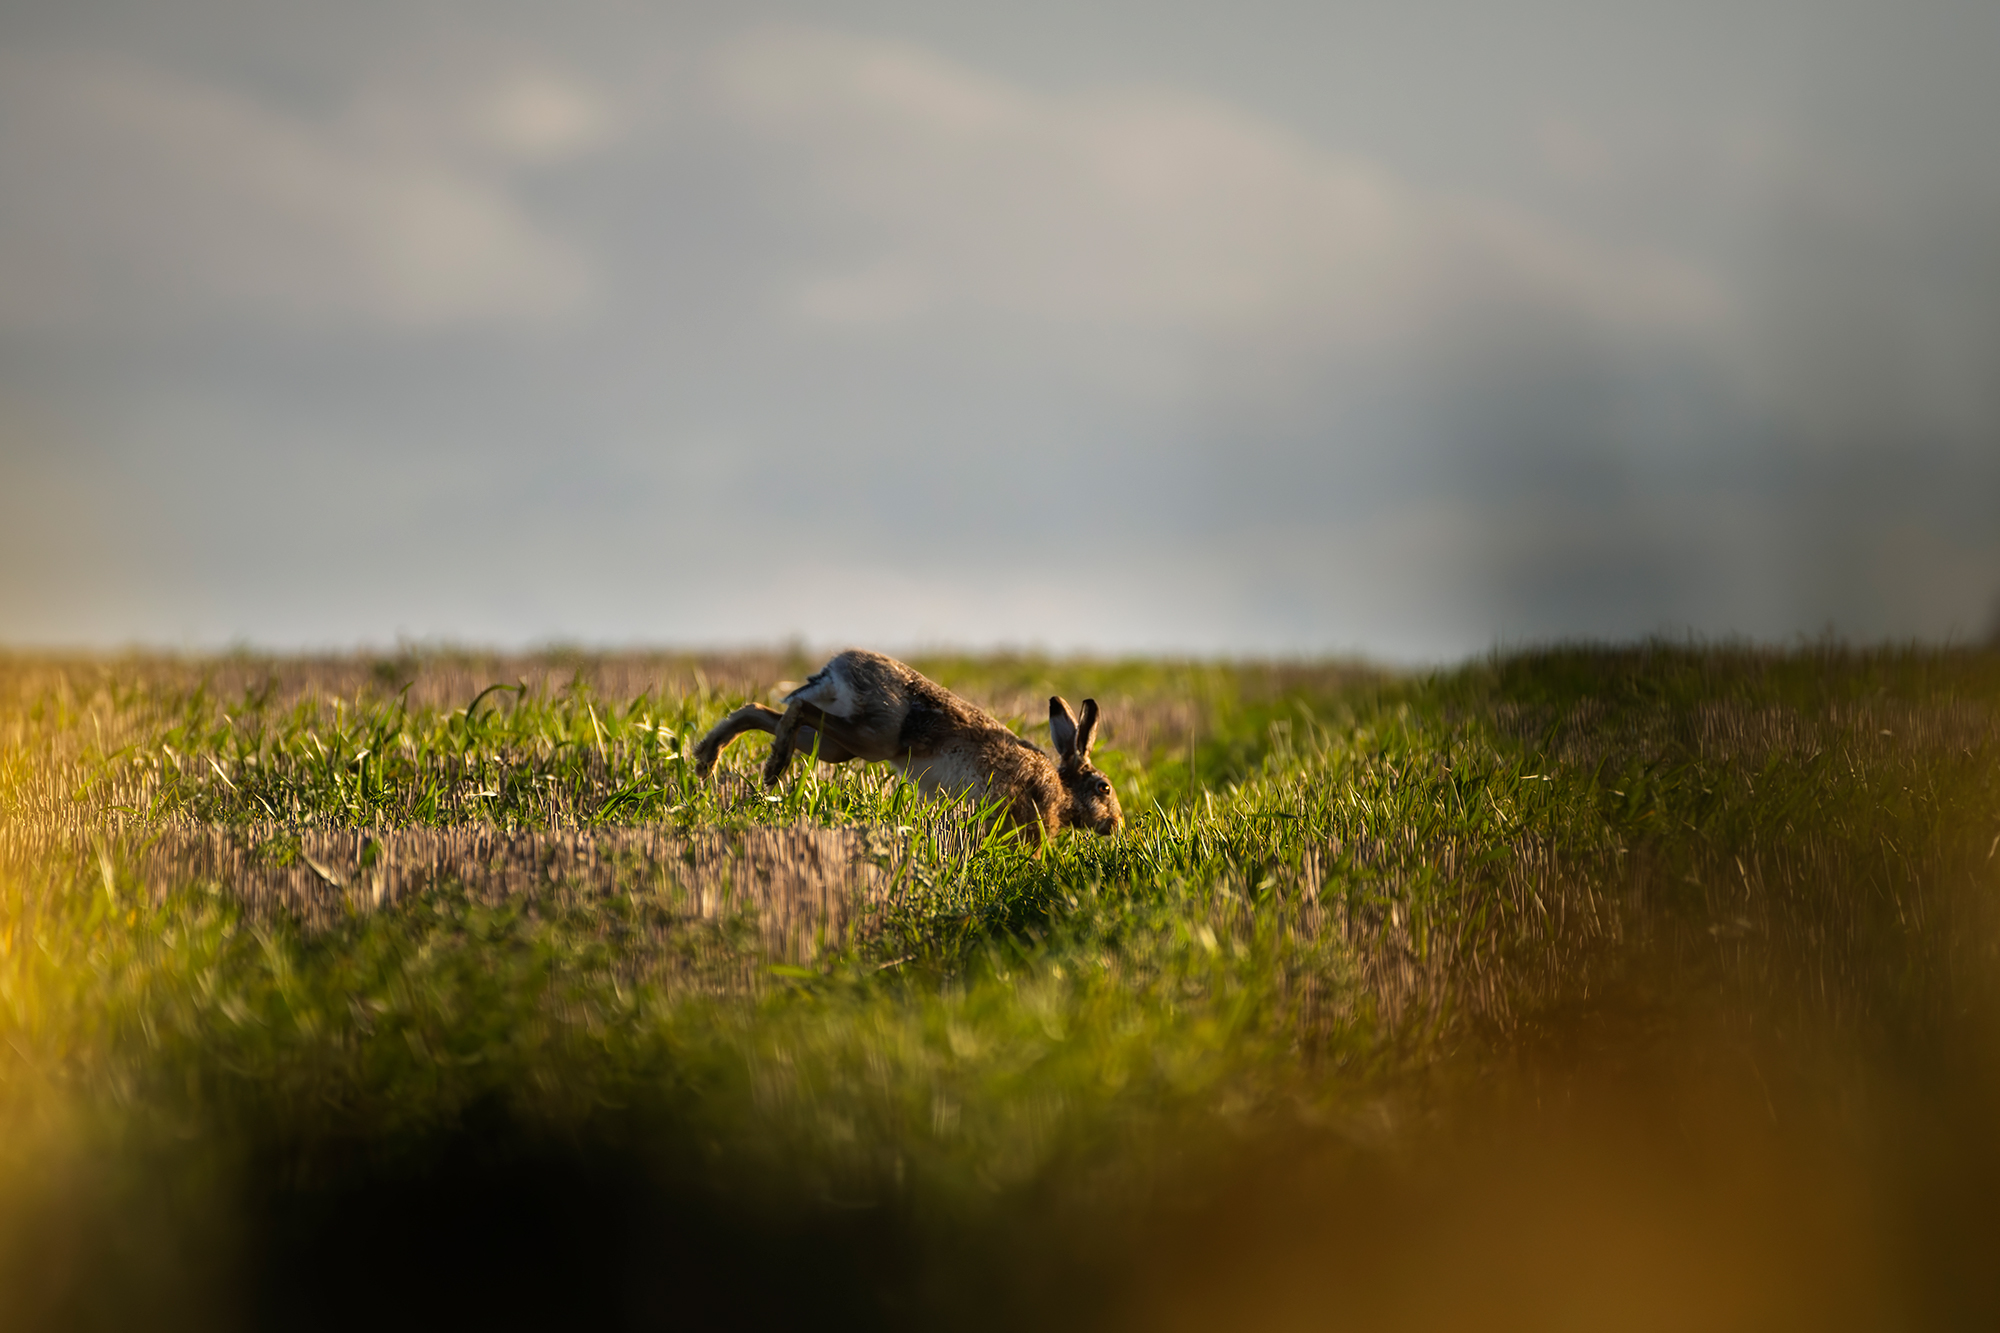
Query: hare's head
x,y
1092,803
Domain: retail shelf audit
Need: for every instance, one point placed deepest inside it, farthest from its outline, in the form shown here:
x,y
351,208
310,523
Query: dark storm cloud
x,y
1275,328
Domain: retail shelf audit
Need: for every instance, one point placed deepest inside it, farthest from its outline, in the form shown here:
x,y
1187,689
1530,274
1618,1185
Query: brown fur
x,y
862,705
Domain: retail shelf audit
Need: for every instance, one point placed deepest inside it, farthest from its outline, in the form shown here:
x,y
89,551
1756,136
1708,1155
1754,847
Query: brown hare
x,y
862,705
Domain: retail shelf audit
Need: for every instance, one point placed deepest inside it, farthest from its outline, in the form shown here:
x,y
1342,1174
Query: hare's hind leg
x,y
797,729
824,701
803,726
784,737
809,730
750,717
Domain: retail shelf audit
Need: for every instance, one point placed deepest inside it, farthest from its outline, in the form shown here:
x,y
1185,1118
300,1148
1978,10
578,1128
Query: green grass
x,y
1662,977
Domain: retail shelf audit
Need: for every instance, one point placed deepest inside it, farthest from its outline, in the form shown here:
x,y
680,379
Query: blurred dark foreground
x,y
1625,1174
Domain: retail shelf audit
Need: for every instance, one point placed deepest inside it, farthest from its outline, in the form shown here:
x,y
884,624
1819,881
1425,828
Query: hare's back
x,y
857,683
893,708
840,688
878,697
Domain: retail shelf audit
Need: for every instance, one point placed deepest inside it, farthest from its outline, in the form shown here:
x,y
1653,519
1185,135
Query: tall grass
x,y
1584,925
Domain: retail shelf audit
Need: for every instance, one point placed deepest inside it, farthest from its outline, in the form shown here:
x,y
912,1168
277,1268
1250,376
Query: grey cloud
x,y
898,327
1150,207
137,193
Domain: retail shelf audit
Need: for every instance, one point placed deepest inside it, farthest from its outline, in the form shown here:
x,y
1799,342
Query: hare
x,y
862,705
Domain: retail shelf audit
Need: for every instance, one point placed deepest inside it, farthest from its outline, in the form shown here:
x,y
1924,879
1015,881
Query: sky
x,y
1395,329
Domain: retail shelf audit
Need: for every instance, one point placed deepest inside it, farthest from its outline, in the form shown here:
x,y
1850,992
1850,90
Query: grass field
x,y
1639,988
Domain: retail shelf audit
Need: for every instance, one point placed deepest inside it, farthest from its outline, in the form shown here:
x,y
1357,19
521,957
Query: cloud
x,y
1146,207
138,195
495,106
853,314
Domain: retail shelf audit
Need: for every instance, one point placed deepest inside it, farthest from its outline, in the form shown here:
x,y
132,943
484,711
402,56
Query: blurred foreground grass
x,y
1647,988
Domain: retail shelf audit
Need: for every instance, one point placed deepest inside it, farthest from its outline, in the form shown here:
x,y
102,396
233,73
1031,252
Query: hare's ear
x,y
1086,730
1062,727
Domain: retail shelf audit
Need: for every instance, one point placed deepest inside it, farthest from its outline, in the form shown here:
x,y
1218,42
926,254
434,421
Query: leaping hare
x,y
865,706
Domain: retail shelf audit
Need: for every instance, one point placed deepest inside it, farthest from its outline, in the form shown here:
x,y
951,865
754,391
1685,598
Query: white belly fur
x,y
951,771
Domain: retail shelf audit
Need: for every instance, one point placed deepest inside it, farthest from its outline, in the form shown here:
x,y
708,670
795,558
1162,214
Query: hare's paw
x,y
774,767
